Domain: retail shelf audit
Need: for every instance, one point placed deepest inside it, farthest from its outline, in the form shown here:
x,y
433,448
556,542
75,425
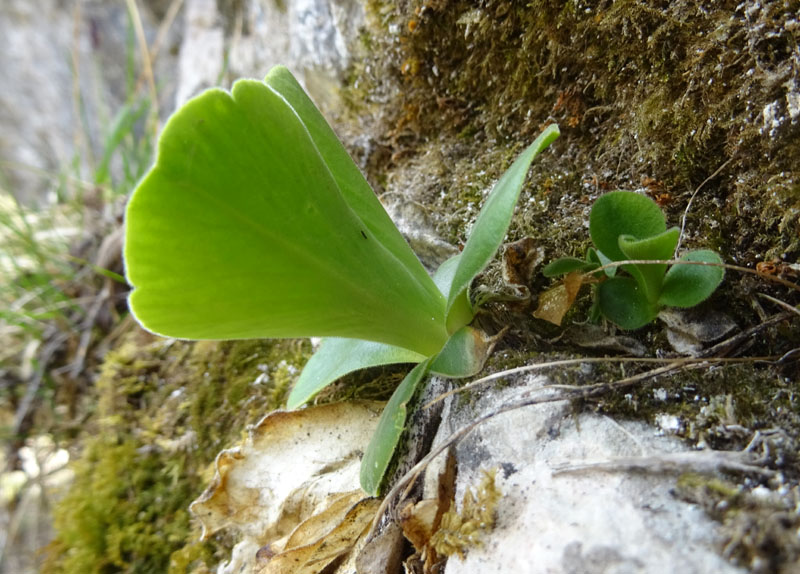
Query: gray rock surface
x,y
586,521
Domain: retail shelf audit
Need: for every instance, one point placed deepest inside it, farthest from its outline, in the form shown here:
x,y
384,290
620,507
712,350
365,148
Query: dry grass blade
x,y
147,65
691,199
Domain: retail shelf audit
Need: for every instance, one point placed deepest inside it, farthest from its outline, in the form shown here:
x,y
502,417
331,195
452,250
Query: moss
x,y
669,92
165,409
759,532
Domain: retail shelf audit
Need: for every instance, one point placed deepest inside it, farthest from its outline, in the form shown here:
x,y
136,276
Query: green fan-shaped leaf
x,y
688,285
337,357
566,265
661,246
379,452
493,220
622,301
242,230
623,213
351,182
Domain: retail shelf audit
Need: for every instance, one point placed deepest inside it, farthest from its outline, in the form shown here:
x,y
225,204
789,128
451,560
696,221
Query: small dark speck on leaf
x,y
364,235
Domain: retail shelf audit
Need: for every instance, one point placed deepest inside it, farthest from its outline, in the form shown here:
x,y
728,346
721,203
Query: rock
x,y
575,522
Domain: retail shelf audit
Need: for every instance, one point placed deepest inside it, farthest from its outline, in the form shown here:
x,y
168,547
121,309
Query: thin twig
x,y
780,303
685,361
767,276
727,344
705,461
691,199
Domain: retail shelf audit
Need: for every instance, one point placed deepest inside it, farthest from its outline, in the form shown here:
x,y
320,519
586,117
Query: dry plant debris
x,y
291,491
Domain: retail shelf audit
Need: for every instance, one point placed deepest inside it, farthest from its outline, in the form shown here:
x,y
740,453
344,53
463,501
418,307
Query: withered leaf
x,y
556,301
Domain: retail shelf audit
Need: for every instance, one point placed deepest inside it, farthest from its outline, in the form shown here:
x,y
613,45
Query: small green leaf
x,y
243,229
567,265
688,285
623,302
461,312
464,354
495,216
623,213
603,261
337,357
390,426
659,246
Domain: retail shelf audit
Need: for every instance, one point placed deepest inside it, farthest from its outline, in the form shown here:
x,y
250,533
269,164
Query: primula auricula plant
x,y
626,226
255,222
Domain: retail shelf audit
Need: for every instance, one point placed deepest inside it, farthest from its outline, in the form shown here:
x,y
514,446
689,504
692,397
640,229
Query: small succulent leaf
x,y
354,187
688,285
622,301
660,246
240,230
556,301
337,357
567,265
379,452
623,213
609,271
495,216
464,354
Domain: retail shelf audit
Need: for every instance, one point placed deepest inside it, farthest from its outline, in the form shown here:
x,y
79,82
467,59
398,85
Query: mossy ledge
x,y
165,408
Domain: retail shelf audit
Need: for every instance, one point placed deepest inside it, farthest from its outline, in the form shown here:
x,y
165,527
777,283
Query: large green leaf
x,y
390,426
622,301
351,182
495,216
242,230
623,213
688,285
338,357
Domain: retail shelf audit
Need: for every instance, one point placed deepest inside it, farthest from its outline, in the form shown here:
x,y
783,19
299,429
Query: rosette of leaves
x,y
627,226
255,222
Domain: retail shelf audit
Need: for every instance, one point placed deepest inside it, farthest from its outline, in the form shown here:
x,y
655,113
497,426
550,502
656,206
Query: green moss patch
x,y
165,409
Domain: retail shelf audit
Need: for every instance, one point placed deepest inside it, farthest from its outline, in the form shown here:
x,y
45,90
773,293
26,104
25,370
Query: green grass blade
x,y
495,216
240,231
338,357
390,426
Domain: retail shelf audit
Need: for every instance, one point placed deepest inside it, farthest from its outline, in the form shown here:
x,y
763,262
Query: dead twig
x,y
705,461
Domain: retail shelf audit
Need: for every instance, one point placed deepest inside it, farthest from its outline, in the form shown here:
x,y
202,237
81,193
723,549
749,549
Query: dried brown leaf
x,y
556,301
